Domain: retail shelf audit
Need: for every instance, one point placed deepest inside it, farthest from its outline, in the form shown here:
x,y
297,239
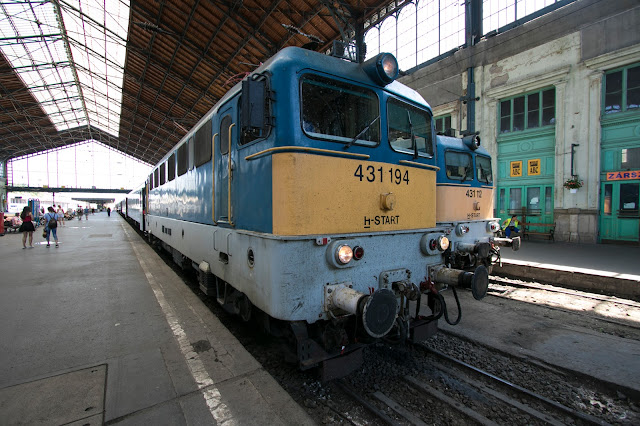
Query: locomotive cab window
x,y
458,165
409,128
483,169
225,123
339,111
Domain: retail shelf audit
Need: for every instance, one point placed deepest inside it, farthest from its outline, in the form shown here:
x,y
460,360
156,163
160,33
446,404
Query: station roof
x,y
137,78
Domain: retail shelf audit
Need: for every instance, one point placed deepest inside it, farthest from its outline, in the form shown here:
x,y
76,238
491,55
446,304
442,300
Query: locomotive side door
x,y
225,146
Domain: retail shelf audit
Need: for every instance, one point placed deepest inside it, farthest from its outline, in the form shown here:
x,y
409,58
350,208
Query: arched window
x,y
407,37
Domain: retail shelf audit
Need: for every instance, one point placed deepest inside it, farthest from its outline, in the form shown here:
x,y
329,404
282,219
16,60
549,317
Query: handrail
x,y
467,185
414,164
213,179
270,151
229,211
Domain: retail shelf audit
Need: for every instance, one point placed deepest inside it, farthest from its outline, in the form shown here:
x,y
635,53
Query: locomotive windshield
x,y
483,169
409,128
340,111
458,165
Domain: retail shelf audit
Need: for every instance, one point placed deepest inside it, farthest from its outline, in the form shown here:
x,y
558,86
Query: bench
x,y
549,229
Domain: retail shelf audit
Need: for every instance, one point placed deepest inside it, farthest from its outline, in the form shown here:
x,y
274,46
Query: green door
x,y
620,218
537,199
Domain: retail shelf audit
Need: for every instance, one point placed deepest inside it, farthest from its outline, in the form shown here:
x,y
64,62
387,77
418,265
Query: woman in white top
x,y
60,213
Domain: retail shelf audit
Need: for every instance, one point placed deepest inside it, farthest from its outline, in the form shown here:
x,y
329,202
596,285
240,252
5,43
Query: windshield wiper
x,y
414,143
361,133
464,176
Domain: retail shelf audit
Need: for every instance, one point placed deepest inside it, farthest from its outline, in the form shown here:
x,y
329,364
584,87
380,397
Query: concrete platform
x,y
101,330
600,268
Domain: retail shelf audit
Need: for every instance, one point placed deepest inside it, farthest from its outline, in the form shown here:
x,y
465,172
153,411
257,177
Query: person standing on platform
x,y
109,211
60,214
51,225
27,227
86,213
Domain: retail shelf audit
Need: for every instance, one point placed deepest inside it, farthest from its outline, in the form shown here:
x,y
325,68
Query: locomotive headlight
x,y
443,243
382,69
493,227
344,254
461,230
389,66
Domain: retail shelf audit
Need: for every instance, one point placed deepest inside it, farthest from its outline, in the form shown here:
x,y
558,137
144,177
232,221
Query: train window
x,y
183,159
202,142
163,175
151,181
339,111
483,169
458,165
409,129
224,134
171,167
156,178
191,152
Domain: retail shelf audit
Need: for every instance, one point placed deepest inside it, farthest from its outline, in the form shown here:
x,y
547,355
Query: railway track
x,y
455,391
520,392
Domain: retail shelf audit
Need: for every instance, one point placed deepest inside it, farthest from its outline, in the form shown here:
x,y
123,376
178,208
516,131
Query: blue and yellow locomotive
x,y
308,195
464,200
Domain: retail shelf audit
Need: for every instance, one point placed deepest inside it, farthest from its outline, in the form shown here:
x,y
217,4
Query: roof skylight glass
x,y
78,79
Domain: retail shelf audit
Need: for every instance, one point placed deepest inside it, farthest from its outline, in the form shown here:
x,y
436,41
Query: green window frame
x,y
442,123
528,111
621,90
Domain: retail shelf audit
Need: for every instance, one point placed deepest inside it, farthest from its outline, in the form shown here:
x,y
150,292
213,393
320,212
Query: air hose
x,y
444,308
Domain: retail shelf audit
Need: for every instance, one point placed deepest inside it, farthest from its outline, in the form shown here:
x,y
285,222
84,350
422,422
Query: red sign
x,y
623,175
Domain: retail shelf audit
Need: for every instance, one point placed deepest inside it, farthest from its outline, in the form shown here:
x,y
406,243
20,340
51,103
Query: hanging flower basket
x,y
573,183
